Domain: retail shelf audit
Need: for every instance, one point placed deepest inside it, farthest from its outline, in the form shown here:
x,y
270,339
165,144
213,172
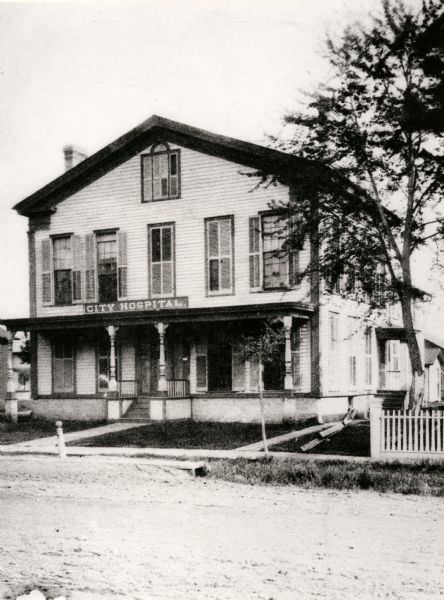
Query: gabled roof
x,y
159,129
432,351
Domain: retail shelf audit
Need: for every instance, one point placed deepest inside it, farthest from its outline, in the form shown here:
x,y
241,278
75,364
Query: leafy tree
x,y
376,130
261,348
25,351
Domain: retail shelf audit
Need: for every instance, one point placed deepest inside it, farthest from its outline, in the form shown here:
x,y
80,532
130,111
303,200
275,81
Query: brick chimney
x,y
73,156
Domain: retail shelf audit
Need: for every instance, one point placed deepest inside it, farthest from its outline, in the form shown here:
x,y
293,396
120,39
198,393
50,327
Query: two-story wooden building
x,y
149,261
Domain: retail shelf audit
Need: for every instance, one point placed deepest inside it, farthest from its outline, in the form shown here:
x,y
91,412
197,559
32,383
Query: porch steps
x,y
138,411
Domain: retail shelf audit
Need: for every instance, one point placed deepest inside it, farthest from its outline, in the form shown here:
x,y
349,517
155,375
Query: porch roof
x,y
219,313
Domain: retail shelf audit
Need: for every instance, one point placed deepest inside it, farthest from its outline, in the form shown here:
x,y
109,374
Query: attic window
x,y
160,174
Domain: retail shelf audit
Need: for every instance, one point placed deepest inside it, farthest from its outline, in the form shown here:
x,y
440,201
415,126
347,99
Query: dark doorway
x,y
274,370
219,363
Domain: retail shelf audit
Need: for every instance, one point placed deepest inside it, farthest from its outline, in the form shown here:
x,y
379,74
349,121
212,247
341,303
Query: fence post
x,y
60,440
375,430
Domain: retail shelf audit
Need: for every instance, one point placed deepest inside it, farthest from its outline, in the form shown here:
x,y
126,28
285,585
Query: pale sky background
x,y
86,72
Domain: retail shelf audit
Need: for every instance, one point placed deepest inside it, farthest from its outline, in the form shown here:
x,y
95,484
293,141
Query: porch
x,y
175,363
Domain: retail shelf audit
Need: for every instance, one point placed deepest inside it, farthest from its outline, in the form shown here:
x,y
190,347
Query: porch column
x,y
247,372
11,408
162,386
288,380
112,384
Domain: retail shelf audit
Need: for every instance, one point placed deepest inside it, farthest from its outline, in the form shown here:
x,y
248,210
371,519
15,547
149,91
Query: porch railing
x,y
128,389
178,388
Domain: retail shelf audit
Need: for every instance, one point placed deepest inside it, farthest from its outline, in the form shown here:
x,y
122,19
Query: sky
x,y
86,72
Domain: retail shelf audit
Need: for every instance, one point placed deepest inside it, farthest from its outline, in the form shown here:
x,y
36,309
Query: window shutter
x,y
201,371
47,272
174,174
238,371
254,248
90,267
294,266
254,374
157,183
147,178
122,267
164,169
76,268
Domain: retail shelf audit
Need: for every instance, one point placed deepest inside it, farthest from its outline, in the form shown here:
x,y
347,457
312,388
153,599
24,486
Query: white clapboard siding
x,y
44,365
210,187
334,369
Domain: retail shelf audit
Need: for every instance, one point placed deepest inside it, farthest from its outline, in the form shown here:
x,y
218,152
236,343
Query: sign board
x,y
125,306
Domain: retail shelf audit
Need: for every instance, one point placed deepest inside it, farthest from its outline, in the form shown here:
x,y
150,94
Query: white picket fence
x,y
406,435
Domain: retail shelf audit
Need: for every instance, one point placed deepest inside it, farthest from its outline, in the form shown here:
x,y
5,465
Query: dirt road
x,y
105,530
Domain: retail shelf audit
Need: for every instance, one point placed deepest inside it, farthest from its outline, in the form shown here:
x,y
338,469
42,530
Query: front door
x,y
148,366
219,365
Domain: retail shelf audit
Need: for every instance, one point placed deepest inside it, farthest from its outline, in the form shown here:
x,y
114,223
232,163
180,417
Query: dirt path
x,y
124,530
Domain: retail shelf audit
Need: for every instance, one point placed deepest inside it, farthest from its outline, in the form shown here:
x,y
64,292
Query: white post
x,y
112,384
11,408
60,440
375,430
247,365
288,381
162,387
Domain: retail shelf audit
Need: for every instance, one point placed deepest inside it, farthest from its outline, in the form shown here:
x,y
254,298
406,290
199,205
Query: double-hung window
x,y
219,250
161,260
78,269
107,267
62,257
160,174
271,264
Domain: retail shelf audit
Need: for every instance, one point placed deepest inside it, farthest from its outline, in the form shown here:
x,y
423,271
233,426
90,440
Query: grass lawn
x,y
190,434
422,479
353,440
32,429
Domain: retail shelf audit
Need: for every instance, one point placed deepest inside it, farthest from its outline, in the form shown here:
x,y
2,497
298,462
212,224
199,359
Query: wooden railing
x,y
128,389
397,434
178,388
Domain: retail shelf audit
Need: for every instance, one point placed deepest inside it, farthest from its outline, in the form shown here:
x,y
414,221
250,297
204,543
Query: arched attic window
x,y
160,173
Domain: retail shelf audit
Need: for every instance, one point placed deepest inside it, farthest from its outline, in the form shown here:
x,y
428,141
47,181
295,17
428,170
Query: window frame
x,y
103,233
150,155
291,258
172,226
225,291
53,239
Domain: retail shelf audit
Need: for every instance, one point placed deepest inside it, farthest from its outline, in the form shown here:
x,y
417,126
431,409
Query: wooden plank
x,y
311,444
331,430
293,435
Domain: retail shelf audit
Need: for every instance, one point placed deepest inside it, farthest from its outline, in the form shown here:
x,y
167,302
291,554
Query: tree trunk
x,y
416,392
262,408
